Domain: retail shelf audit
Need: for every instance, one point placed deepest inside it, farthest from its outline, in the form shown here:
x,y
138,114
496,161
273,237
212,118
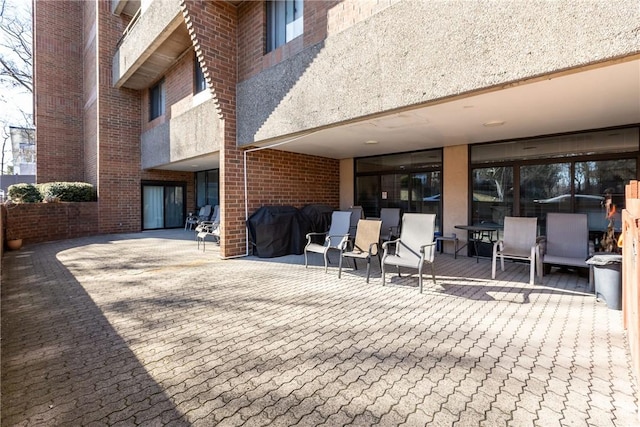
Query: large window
x,y
569,173
410,181
156,100
284,22
207,188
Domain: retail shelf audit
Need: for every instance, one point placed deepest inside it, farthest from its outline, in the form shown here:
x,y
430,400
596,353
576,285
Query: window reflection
x,y
595,179
545,188
492,195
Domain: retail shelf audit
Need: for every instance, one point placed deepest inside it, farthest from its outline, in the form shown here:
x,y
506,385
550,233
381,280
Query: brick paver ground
x,y
144,329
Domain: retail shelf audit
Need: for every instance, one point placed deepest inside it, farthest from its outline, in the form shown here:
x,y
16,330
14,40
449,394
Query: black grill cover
x,y
277,231
319,217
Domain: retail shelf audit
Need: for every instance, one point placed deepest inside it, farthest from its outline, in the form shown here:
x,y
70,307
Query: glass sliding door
x,y
162,206
153,207
174,207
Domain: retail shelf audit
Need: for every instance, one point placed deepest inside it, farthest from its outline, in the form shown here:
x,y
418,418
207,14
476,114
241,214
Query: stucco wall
x,y
455,192
413,52
347,195
194,133
156,21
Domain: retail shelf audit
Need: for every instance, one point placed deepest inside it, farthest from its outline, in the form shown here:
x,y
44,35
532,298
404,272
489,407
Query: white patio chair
x,y
518,242
414,248
335,238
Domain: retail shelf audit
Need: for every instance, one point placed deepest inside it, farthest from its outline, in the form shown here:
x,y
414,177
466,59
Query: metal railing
x,y
132,23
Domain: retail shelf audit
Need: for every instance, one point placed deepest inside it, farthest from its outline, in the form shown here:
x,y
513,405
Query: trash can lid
x,y
605,258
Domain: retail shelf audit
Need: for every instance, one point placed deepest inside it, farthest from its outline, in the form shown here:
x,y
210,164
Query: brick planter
x,y
43,222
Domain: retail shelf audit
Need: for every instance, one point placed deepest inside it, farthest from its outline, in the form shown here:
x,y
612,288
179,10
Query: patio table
x,y
477,233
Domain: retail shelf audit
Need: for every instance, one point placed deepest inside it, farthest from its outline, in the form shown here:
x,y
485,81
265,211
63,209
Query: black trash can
x,y
607,278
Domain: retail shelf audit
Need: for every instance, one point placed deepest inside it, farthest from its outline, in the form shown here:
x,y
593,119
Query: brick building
x,y
471,110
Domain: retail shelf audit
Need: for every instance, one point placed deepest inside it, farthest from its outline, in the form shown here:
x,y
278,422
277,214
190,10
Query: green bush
x,y
24,193
52,191
68,191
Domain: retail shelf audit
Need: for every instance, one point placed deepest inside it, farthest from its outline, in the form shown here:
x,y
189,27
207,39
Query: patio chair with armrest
x,y
566,243
193,220
335,238
365,245
390,218
356,215
414,248
518,242
209,228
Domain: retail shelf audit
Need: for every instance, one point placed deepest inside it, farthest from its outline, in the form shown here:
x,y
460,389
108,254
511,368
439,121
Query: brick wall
x,y
178,87
212,26
43,222
88,130
120,120
274,177
58,87
281,178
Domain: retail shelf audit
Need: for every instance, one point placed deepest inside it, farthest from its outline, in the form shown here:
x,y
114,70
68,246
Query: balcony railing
x,y
132,23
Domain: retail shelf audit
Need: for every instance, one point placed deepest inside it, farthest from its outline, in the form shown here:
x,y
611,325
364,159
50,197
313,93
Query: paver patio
x,y
144,329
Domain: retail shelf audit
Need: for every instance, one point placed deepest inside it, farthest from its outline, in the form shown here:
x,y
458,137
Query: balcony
x,y
196,133
154,40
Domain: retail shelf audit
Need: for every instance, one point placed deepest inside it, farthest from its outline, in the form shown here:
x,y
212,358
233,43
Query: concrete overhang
x,y
601,96
125,7
152,44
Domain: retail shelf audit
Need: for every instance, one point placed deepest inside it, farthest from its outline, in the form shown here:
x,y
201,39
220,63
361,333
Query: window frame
x,y
284,22
572,160
157,100
199,81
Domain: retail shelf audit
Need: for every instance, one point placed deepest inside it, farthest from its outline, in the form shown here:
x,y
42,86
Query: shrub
x,y
52,192
68,192
24,193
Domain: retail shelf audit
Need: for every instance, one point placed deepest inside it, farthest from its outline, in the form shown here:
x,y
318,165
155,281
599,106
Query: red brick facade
x,y
58,36
103,146
87,130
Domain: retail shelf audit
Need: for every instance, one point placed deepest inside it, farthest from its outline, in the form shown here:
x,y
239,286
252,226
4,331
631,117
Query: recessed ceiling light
x,y
371,142
493,123
467,106
194,166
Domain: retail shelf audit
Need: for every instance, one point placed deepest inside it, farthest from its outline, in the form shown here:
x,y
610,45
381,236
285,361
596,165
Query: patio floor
x,y
144,329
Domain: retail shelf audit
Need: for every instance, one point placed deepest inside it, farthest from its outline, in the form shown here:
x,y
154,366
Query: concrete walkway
x,y
144,329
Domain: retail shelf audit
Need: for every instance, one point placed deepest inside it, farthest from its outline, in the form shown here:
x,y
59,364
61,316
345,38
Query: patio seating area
x,y
145,329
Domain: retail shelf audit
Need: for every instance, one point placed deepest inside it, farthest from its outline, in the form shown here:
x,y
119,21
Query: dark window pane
x,y
156,100
200,83
594,180
367,191
545,188
492,190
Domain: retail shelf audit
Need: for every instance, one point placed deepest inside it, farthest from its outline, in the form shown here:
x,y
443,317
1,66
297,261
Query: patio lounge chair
x,y
335,238
414,248
518,242
566,243
365,246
